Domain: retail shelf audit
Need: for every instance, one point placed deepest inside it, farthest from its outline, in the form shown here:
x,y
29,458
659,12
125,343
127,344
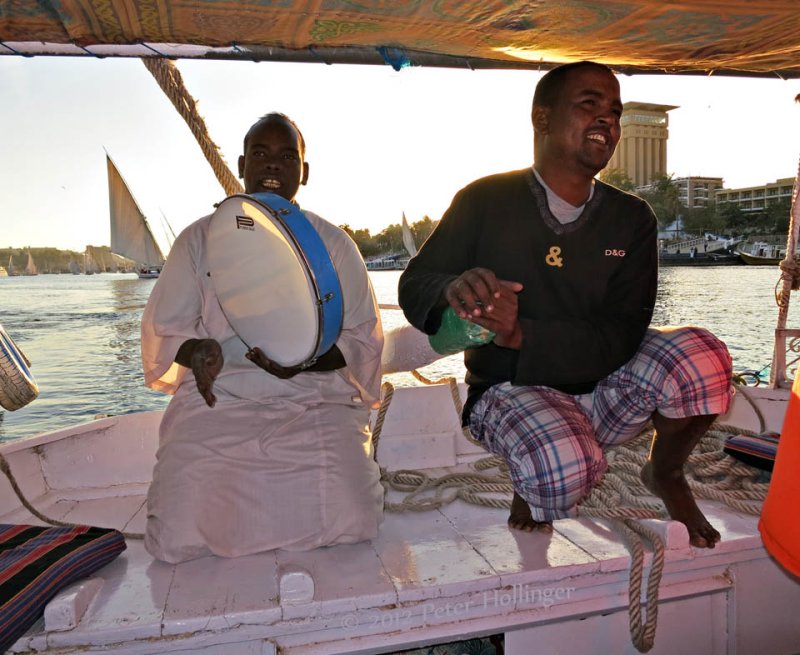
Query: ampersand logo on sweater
x,y
553,259
613,252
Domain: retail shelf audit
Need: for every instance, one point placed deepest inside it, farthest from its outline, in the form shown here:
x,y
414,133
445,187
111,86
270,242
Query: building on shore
x,y
696,192
642,149
757,198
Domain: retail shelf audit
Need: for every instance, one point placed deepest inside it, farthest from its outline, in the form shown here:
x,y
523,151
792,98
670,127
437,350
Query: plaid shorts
x,y
553,441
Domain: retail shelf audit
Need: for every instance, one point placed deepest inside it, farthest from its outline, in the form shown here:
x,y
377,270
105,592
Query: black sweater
x,y
581,320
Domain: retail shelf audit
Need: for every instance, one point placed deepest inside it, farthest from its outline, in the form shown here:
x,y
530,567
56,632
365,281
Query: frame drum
x,y
274,278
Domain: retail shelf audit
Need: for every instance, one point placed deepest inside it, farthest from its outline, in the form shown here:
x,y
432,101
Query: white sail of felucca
x,y
408,238
30,267
131,236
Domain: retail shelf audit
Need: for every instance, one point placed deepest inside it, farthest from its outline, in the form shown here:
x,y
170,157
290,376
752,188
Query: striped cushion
x,y
755,450
36,562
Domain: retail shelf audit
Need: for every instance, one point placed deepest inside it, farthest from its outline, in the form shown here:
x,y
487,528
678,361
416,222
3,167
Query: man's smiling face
x,y
273,159
581,129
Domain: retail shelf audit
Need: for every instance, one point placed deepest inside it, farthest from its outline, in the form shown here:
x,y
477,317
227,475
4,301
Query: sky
x,y
379,142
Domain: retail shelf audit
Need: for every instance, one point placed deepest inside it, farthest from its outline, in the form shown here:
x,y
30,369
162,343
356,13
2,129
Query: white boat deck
x,y
429,577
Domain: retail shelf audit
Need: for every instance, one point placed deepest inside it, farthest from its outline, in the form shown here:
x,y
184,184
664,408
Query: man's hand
x,y
258,358
206,362
479,296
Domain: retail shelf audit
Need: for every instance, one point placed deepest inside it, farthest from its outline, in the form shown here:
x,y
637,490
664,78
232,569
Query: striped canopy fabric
x,y
36,562
755,37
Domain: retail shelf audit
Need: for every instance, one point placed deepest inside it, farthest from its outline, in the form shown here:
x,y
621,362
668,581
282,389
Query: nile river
x,y
81,334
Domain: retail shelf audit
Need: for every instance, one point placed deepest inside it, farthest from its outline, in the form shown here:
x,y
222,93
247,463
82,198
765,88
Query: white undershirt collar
x,y
563,211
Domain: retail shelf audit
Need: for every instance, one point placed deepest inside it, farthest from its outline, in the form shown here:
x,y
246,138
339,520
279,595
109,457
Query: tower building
x,y
642,149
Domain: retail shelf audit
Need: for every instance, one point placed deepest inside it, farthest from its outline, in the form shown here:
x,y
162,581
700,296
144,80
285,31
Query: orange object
x,y
780,520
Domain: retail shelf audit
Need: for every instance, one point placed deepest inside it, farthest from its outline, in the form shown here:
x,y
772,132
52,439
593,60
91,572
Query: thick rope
x,y
620,496
6,469
788,282
169,79
791,269
387,389
762,424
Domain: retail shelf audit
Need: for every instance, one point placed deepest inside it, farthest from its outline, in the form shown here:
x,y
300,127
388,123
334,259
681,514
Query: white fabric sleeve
x,y
361,339
173,314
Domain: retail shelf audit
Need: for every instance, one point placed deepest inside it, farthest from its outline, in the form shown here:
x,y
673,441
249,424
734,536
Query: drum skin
x,y
274,278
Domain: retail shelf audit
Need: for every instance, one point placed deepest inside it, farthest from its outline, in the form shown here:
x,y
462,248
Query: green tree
x,y
364,240
732,217
778,214
422,229
390,239
664,197
699,220
616,177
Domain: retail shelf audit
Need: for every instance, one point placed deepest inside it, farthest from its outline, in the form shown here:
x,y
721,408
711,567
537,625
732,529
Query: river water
x,y
81,334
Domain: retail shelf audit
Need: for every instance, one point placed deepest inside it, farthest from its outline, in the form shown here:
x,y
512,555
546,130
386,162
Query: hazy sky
x,y
379,142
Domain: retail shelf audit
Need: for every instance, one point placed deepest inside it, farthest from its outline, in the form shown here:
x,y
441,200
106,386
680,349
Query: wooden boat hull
x,y
429,577
704,259
756,260
149,273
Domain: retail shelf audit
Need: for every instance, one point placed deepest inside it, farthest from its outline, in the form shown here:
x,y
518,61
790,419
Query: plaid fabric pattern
x,y
36,562
678,372
548,442
553,442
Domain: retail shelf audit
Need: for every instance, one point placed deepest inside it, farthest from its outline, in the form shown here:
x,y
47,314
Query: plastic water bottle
x,y
456,334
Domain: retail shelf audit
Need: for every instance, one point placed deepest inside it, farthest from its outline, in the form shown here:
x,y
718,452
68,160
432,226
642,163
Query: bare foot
x,y
674,491
521,519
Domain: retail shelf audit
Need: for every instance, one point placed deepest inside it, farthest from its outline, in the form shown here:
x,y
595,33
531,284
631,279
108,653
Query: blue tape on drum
x,y
274,278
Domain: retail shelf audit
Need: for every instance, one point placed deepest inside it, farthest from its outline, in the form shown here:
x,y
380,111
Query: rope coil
x,y
620,497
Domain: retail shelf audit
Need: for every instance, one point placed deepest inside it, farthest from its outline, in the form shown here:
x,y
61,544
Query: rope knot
x,y
791,271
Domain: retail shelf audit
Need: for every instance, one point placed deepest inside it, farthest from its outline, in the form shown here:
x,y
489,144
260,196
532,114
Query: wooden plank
x,y
214,594
425,557
129,606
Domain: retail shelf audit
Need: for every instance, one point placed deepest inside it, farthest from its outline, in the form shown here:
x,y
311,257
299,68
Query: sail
x,y
408,238
30,267
130,234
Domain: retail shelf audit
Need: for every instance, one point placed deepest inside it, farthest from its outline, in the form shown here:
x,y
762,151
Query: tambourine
x,y
274,278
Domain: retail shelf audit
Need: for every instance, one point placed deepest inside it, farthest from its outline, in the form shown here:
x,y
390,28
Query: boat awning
x,y
749,37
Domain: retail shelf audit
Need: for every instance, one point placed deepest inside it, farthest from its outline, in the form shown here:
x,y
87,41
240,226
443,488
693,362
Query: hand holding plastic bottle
x,y
477,295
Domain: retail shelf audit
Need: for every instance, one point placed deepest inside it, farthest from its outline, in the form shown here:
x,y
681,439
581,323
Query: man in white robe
x,y
254,456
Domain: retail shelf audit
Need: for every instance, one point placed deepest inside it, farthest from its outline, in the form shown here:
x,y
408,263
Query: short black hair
x,y
548,88
276,116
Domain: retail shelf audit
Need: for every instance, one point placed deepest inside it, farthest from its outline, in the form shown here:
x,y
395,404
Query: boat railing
x,y
787,357
702,244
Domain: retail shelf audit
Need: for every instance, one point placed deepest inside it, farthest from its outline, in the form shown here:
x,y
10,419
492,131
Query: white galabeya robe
x,y
275,463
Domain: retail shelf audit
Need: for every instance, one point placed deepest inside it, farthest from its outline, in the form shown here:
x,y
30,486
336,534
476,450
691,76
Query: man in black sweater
x,y
563,269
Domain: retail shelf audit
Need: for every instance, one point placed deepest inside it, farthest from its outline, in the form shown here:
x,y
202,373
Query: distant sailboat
x,y
11,269
90,266
408,238
131,236
30,267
